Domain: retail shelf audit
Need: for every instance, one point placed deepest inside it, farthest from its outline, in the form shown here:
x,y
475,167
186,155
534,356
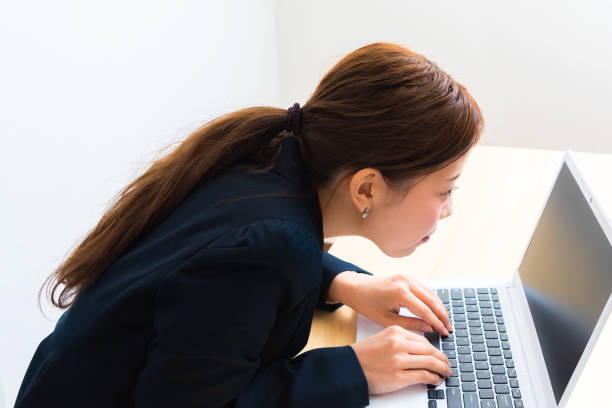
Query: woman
x,y
198,286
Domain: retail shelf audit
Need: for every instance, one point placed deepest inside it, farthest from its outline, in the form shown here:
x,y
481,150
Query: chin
x,y
400,253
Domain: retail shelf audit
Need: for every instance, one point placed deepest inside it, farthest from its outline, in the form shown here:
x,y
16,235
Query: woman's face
x,y
399,227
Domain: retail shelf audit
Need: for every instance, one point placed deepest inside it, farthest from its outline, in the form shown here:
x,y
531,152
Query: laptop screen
x,y
567,277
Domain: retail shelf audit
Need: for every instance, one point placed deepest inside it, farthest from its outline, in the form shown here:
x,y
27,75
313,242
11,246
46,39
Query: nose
x,y
447,210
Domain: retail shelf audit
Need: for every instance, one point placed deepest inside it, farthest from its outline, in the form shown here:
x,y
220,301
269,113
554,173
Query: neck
x,y
339,215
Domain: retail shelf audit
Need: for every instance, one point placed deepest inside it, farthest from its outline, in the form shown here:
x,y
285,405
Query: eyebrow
x,y
454,178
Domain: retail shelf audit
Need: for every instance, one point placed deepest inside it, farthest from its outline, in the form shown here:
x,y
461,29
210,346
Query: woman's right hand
x,y
395,358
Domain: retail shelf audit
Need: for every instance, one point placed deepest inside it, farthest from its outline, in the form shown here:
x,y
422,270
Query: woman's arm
x,y
215,315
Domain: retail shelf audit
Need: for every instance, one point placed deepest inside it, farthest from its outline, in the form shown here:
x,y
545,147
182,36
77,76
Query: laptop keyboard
x,y
484,375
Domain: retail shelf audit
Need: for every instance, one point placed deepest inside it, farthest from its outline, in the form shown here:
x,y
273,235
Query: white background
x,y
89,92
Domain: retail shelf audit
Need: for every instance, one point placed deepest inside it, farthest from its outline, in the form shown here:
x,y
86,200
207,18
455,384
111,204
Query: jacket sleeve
x,y
213,319
332,266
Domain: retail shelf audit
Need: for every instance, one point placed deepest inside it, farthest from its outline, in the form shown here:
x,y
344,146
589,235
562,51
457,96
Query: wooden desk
x,y
502,193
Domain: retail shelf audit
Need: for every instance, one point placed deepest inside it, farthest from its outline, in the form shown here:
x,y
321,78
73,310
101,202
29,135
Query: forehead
x,y
444,174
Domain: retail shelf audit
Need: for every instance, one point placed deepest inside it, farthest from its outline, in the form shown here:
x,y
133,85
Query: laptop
x,y
525,343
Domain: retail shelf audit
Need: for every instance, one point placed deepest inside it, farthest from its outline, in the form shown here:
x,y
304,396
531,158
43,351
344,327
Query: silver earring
x,y
365,213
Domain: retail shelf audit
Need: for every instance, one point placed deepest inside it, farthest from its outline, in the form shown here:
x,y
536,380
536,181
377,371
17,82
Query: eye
x,y
450,192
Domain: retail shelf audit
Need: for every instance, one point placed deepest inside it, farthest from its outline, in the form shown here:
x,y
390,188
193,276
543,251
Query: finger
x,y
414,347
431,299
421,377
430,363
408,335
416,306
410,323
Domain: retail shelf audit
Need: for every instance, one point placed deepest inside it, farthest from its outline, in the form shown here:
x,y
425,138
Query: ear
x,y
366,187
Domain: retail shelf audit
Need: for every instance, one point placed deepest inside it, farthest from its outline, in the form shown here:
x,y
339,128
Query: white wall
x,y
89,92
540,70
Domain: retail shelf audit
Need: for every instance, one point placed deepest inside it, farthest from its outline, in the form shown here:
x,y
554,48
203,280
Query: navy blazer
x,y
209,309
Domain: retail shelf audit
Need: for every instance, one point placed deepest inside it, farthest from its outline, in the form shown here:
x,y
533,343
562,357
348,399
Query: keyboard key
x,y
439,394
466,367
484,297
514,383
496,361
510,363
491,335
500,379
493,290
463,341
453,397
431,386
487,404
501,328
443,295
454,372
468,386
473,316
458,310
502,389
505,345
431,394
496,305
470,301
432,404
456,293
481,365
481,357
488,319
450,353
492,343
469,292
482,290
477,339
494,352
453,362
483,374
468,377
518,403
489,326
485,303
475,330
498,313
495,298
465,358
448,346
498,369
461,333
500,320
503,336
512,373
471,308
474,323
487,311
452,382
470,400
504,401
486,394
450,337
461,325
478,347
459,318
516,393
464,350
484,384
457,303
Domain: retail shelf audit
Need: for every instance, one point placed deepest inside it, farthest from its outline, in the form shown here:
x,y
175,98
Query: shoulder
x,y
285,252
273,241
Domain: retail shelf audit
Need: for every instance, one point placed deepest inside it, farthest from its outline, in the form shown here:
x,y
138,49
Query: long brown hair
x,y
382,106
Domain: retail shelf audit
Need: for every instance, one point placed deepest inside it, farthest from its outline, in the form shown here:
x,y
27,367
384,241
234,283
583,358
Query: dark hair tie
x,y
294,114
